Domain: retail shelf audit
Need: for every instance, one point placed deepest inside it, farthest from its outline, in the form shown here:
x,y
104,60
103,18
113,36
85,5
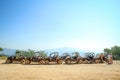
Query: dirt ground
x,y
60,72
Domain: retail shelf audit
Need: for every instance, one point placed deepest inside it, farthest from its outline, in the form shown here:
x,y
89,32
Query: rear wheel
x,y
46,61
80,61
41,62
97,61
27,61
86,61
68,61
8,61
22,61
59,61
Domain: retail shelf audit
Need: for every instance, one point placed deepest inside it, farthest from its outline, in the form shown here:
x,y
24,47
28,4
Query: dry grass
x,y
60,72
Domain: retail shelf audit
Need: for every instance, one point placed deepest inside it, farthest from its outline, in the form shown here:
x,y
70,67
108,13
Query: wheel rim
x,y
41,62
59,61
27,62
86,61
22,61
46,62
80,61
68,61
8,61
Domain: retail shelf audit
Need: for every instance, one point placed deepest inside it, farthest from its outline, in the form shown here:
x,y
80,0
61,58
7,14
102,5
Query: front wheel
x,y
8,61
85,61
22,61
80,61
46,61
41,62
27,61
59,61
68,61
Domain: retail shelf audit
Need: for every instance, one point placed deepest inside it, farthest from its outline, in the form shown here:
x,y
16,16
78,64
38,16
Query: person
x,y
110,58
101,57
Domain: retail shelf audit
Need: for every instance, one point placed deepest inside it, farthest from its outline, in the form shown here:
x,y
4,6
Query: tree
x,y
31,52
107,50
116,52
25,53
1,49
18,52
41,53
3,56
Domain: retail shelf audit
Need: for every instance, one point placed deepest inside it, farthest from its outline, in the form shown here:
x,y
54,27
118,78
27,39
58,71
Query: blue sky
x,y
48,24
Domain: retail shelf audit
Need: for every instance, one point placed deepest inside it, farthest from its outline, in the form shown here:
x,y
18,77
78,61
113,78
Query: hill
x,y
8,51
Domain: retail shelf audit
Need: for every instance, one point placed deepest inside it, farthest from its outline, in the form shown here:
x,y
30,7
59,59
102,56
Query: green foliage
x,y
30,53
1,49
107,50
2,56
42,53
18,52
115,50
23,53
